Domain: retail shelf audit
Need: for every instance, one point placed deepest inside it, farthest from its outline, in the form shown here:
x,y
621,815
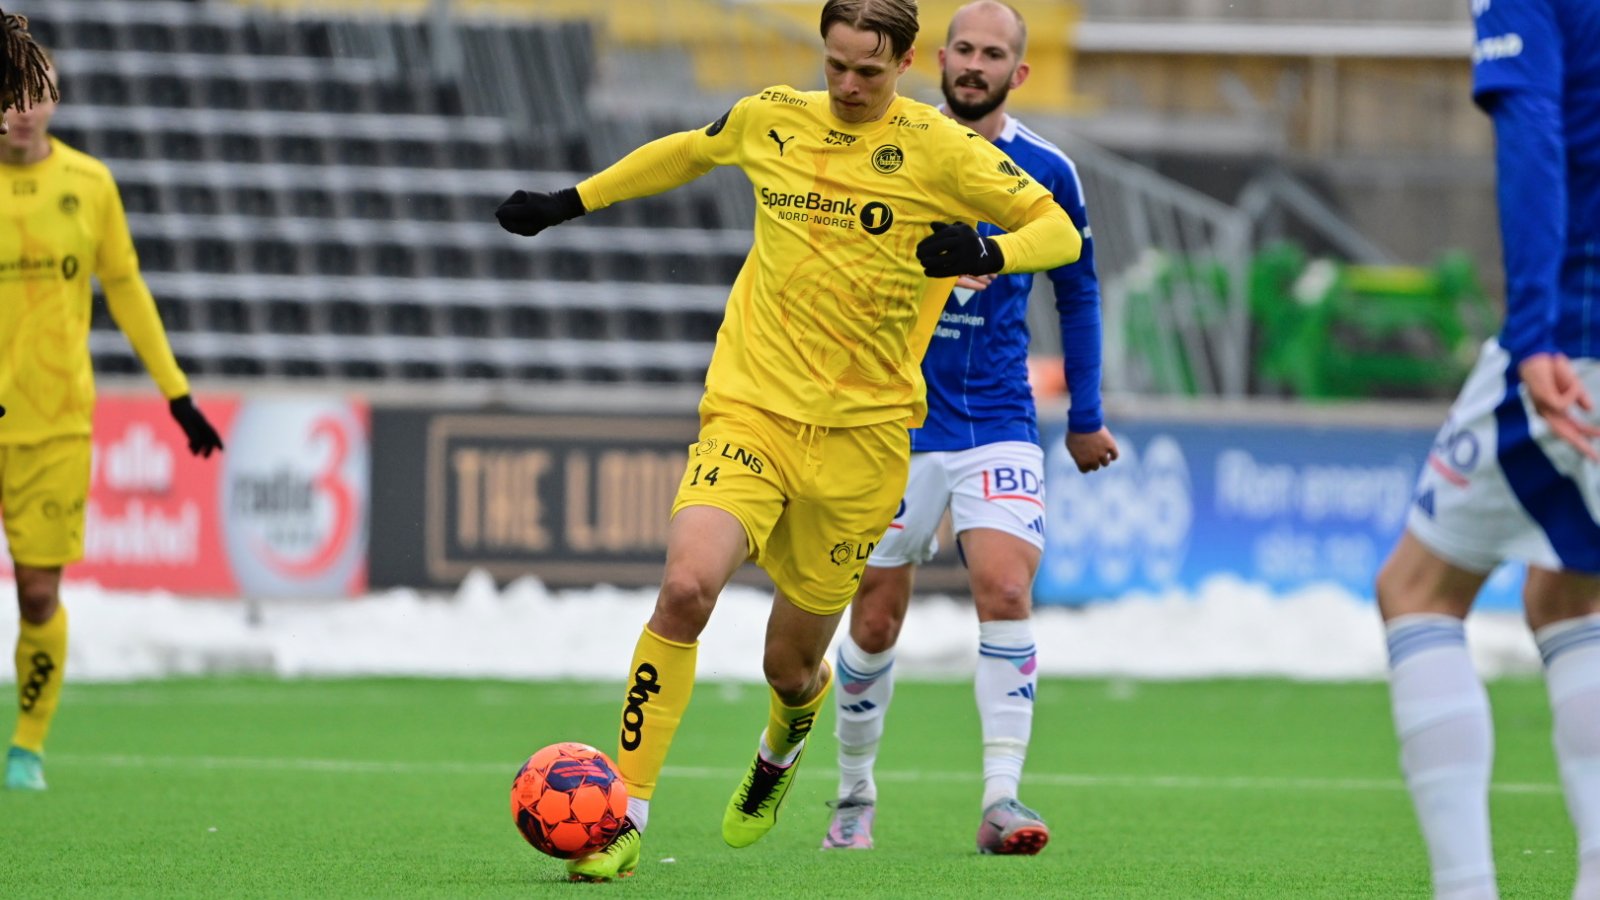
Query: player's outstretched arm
x,y
658,166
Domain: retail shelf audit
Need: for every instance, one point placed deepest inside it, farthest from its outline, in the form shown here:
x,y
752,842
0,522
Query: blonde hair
x,y
894,21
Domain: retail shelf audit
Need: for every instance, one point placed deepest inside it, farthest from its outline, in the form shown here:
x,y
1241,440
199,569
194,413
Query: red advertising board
x,y
282,512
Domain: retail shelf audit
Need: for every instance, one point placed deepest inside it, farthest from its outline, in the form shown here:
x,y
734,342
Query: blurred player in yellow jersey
x,y
803,447
61,224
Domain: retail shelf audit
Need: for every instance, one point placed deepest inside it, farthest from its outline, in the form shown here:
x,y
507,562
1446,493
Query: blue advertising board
x,y
1284,506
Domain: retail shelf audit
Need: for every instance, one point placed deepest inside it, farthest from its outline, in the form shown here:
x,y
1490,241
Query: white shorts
x,y
1499,486
999,486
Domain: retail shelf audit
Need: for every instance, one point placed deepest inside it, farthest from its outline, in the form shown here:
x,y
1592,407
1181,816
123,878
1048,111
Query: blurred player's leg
x,y
1564,610
865,669
41,659
1441,714
865,663
799,675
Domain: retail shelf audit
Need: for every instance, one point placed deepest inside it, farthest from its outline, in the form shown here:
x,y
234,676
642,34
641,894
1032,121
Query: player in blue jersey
x,y
978,455
1515,473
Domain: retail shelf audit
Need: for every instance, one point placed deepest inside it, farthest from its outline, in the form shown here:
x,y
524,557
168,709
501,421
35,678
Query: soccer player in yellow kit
x,y
61,223
803,448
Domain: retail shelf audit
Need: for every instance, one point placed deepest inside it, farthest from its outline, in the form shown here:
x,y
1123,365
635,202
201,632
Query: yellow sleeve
x,y
666,163
1040,235
130,302
1048,240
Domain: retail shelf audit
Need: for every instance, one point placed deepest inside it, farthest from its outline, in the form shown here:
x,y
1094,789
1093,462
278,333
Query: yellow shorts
x,y
813,501
43,489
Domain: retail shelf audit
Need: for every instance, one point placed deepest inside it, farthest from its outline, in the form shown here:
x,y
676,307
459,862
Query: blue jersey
x,y
1536,71
977,363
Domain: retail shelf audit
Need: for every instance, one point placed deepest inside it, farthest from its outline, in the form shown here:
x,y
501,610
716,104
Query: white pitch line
x,y
1053,779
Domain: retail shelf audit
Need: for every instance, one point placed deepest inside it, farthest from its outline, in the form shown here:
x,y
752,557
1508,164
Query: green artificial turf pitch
x,y
399,788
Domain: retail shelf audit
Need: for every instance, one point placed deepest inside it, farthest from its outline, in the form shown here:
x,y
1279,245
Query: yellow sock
x,y
41,663
787,726
661,681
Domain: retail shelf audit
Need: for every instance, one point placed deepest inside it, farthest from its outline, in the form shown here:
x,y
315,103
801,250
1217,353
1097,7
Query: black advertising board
x,y
572,499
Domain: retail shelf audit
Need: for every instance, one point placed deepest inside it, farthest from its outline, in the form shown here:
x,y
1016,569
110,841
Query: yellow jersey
x,y
831,313
61,223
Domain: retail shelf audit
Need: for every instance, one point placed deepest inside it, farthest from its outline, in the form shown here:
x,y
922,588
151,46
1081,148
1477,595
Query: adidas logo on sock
x,y
1025,692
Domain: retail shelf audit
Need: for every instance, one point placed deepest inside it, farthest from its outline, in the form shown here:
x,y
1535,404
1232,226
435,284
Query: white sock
x,y
638,812
1441,715
1005,684
1571,651
866,684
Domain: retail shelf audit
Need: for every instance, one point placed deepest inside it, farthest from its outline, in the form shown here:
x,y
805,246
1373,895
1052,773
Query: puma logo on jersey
x,y
773,133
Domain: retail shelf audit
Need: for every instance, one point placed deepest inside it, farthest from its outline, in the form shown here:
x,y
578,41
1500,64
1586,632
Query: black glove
x,y
527,213
203,439
958,249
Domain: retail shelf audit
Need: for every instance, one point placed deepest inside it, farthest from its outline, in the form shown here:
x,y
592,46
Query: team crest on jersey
x,y
69,203
888,159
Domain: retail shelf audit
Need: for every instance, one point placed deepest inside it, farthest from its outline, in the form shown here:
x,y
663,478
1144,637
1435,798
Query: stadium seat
x,y
138,197
156,254
227,315
152,37
119,143
104,89
587,324
360,369
175,314
303,368
274,256
409,320
334,259
92,35
446,261
338,97
347,318
312,203
238,367
469,321
480,370
299,149
531,322
368,204
167,91
247,200
213,255
205,37
285,95
182,146
225,92
196,200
